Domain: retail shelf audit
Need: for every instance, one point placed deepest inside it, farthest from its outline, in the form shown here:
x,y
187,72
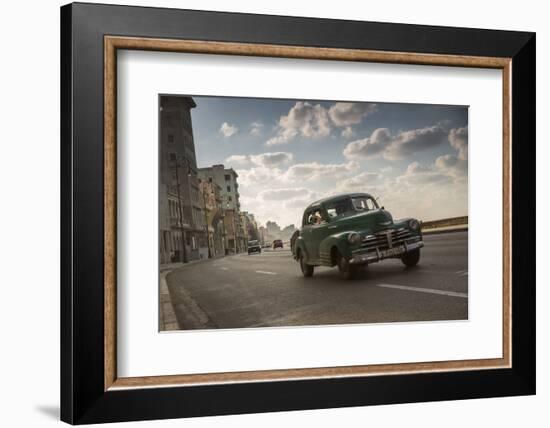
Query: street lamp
x,y
180,210
206,223
234,230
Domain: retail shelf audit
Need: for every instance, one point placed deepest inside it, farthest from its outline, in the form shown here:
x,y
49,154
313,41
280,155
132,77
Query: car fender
x,y
300,245
403,222
338,240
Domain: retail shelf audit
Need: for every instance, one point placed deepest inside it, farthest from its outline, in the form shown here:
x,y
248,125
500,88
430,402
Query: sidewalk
x,y
167,316
171,266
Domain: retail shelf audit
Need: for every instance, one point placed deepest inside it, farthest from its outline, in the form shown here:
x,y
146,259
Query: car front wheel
x,y
307,270
411,258
347,271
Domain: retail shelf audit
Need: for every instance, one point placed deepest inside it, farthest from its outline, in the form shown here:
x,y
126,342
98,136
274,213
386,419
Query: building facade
x,y
226,179
182,223
214,216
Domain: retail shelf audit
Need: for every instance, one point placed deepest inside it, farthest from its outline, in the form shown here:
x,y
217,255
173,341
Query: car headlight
x,y
354,238
414,225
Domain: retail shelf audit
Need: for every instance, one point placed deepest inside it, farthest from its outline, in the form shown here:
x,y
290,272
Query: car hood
x,y
373,220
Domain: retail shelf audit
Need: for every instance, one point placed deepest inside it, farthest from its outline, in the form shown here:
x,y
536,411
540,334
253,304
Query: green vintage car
x,y
351,231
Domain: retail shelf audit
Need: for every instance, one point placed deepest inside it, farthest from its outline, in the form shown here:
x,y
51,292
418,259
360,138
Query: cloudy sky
x,y
289,153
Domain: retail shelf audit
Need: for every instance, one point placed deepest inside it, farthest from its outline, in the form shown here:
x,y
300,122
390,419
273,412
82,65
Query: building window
x,y
230,198
170,138
229,188
210,179
227,177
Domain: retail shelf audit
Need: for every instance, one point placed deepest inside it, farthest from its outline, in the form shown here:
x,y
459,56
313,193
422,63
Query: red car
x,y
278,243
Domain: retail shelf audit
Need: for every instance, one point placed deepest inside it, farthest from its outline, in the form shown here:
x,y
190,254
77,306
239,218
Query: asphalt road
x,y
268,289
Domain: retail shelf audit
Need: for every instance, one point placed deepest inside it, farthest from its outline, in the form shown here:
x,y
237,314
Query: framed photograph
x,y
266,213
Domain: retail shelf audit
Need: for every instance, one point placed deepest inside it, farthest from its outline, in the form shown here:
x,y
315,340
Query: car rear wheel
x,y
411,258
307,270
347,271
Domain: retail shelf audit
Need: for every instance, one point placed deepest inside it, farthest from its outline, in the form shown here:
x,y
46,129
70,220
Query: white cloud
x,y
364,182
409,142
272,159
458,137
257,177
452,166
315,170
348,132
298,205
284,194
370,147
269,160
346,114
418,175
362,179
314,121
238,160
256,128
398,146
445,170
303,119
228,130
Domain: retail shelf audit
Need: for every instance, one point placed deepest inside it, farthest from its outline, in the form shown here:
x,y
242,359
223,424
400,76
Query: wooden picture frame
x,y
91,390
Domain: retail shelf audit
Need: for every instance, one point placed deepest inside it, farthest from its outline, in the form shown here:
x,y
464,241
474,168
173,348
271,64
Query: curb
x,y
167,315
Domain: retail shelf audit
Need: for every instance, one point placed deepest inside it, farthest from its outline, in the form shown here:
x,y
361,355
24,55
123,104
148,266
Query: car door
x,y
318,233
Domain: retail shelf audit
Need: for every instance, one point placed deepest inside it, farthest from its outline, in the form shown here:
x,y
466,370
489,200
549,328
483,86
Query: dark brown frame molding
x,y
114,43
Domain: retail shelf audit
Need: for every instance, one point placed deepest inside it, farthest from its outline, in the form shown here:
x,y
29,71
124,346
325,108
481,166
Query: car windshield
x,y
364,203
350,205
252,242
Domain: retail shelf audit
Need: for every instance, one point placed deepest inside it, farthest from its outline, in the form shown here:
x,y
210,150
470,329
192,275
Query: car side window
x,y
315,218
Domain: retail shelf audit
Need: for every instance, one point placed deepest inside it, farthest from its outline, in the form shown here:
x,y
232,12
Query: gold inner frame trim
x,y
113,43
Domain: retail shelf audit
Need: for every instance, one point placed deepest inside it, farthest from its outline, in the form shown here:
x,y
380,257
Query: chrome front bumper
x,y
375,256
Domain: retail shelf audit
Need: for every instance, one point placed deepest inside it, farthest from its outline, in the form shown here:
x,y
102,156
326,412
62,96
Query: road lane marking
x,y
266,272
425,290
224,268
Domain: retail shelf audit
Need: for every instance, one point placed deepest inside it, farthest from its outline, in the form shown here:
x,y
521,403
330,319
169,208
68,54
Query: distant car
x,y
254,247
278,243
351,231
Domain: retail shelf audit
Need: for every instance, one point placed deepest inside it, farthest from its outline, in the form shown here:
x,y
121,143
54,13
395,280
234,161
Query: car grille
x,y
388,239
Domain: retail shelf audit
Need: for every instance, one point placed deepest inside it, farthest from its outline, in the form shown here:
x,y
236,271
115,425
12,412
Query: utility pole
x,y
234,230
206,222
225,243
180,209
